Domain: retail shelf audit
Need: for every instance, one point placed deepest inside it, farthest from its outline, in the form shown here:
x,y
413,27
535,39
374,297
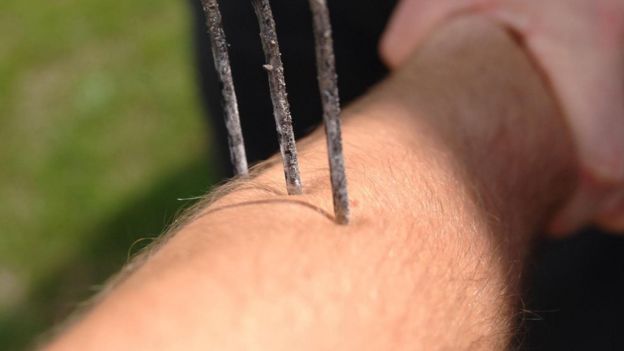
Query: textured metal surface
x,y
328,84
224,72
277,85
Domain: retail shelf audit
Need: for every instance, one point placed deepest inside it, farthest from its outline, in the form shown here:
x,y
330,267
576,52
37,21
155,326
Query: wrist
x,y
492,140
498,120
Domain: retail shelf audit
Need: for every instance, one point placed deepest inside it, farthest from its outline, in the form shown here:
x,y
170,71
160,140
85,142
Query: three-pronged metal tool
x,y
328,84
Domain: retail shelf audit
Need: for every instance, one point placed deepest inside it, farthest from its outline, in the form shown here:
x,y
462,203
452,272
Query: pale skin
x,y
578,45
454,166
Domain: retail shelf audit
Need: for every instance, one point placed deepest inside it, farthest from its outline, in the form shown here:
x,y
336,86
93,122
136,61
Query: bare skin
x,y
444,214
579,47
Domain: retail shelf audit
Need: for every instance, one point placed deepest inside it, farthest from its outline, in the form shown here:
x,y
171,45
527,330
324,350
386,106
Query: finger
x,y
412,21
579,46
595,109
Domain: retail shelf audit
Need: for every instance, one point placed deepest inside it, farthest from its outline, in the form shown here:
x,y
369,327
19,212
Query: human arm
x,y
453,166
579,47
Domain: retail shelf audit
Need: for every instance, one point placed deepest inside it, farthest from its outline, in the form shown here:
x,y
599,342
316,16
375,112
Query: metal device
x,y
328,85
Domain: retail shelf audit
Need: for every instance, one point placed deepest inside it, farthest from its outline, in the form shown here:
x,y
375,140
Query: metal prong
x,y
328,84
277,85
224,71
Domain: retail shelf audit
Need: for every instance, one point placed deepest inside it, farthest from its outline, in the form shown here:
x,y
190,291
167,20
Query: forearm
x,y
453,164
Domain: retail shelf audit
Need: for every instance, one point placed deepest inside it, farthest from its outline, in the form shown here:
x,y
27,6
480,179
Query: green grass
x,y
101,132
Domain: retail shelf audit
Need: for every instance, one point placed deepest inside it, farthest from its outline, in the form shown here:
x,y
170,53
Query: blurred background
x,y
101,132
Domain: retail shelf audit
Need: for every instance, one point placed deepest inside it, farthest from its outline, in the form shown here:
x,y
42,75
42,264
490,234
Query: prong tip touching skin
x,y
328,84
279,96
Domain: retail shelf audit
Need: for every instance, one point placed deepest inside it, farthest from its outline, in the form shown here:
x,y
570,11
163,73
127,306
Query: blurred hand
x,y
579,45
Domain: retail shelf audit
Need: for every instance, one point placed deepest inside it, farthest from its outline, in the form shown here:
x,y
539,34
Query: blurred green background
x,y
101,134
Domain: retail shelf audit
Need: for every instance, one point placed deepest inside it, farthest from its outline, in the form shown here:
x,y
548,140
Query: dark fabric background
x,y
574,296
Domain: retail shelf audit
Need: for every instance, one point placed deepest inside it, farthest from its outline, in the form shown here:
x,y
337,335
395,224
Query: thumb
x,y
590,87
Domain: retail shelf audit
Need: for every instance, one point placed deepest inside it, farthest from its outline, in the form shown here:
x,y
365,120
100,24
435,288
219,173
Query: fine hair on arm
x,y
455,162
